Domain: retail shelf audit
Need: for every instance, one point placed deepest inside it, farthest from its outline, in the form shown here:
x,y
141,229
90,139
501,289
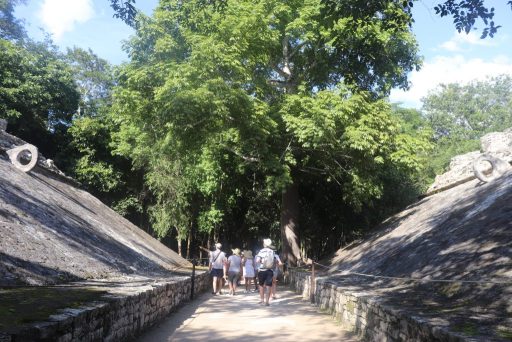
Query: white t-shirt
x,y
219,257
234,263
261,254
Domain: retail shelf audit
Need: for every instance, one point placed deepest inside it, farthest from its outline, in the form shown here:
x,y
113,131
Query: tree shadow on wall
x,y
467,236
66,227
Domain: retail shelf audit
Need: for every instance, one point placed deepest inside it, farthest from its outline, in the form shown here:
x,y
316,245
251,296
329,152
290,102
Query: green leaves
x,y
37,94
460,115
225,107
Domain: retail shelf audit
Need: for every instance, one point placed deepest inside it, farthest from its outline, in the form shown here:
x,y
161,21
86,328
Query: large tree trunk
x,y
179,246
290,225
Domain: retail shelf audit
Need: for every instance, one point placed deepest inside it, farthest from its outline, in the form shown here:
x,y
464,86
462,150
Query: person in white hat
x,y
266,261
216,268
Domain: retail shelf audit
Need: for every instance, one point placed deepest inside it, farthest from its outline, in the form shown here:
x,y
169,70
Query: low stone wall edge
x,y
365,315
116,318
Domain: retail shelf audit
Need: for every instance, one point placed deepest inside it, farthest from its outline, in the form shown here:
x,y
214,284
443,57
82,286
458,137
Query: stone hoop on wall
x,y
16,153
498,167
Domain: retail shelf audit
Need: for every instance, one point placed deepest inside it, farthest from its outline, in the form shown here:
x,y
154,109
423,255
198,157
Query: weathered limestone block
x,y
497,167
24,151
497,145
461,168
371,320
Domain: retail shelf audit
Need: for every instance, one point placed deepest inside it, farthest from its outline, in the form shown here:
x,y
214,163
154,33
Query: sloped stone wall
x,y
365,315
119,318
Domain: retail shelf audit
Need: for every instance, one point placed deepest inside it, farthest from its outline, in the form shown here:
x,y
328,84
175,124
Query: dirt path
x,y
241,318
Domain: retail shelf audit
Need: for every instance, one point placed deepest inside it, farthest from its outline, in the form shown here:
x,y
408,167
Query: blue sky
x,y
448,56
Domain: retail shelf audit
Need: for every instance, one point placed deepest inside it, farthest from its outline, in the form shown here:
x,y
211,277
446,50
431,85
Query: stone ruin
x,y
441,269
486,165
25,156
106,279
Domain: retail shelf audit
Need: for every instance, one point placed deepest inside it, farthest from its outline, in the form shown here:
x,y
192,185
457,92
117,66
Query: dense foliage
x,y
460,115
230,107
238,120
38,95
465,13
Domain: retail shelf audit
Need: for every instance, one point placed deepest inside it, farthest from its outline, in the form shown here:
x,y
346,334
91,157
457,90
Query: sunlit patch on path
x,y
232,318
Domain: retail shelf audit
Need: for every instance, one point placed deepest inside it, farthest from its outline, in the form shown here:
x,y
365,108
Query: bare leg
x,y
262,292
230,284
220,284
215,284
274,287
268,294
235,284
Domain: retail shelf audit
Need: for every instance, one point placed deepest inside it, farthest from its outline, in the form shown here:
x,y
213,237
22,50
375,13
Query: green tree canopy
x,y
224,103
38,94
460,114
10,27
465,13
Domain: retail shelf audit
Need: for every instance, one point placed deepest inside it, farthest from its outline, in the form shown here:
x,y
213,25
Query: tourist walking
x,y
256,270
234,270
248,270
266,260
216,268
276,270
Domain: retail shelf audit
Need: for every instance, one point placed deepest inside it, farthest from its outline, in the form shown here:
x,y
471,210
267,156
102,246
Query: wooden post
x,y
193,279
312,287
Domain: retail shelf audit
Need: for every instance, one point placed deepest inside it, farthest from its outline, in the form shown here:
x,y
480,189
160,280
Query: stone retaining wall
x,y
365,315
118,317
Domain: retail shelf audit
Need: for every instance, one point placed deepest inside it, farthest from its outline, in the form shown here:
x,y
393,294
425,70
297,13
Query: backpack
x,y
267,259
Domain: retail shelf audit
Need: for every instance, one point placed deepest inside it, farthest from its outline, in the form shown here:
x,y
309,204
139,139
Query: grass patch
x,y
467,329
451,289
505,333
21,306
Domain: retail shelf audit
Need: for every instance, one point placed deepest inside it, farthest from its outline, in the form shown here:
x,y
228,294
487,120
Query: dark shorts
x,y
265,277
217,272
233,277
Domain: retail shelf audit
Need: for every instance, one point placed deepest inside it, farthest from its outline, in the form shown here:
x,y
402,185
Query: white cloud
x,y
461,41
451,46
60,16
456,69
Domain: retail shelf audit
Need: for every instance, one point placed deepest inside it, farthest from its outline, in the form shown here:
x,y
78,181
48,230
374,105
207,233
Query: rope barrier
x,y
421,280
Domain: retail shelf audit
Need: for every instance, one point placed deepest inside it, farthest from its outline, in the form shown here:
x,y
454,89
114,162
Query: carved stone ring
x,y
16,153
498,167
